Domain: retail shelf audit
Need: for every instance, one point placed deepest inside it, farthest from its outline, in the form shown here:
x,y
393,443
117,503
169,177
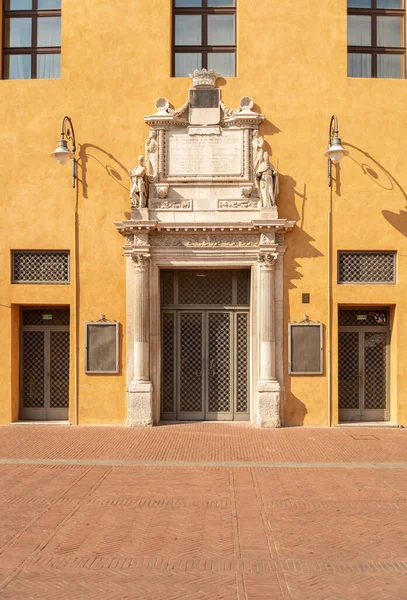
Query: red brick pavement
x,y
171,532
204,442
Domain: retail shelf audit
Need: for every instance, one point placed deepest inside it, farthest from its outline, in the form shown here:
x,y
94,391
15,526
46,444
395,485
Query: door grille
x,y
348,370
371,317
191,362
243,287
219,372
242,362
41,317
59,366
205,287
375,370
33,369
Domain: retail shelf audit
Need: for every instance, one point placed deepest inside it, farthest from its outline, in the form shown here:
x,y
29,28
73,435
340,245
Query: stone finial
x,y
204,78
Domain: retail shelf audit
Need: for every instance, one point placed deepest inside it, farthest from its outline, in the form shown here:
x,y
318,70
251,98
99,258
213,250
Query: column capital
x,y
141,262
267,260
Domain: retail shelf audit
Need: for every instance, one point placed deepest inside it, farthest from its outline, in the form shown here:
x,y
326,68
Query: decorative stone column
x,y
268,387
139,411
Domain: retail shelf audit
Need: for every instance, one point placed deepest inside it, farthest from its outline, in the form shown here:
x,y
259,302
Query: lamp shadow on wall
x,y
299,242
381,177
113,167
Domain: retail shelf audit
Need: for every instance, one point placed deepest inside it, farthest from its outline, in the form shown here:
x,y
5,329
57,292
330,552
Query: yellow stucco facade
x,y
116,60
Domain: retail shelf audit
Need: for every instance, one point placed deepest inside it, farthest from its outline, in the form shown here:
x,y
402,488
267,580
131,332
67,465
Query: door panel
x,y
44,373
58,375
219,366
375,376
205,365
242,364
191,366
33,375
363,374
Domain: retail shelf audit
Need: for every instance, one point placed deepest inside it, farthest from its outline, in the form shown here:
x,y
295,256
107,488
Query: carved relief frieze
x,y
206,240
171,205
280,239
248,204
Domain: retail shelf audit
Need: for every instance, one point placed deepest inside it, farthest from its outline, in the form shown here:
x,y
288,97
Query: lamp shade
x,y
336,151
62,152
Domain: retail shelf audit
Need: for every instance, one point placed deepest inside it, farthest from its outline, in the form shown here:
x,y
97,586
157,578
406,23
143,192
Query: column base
x,y
140,404
268,404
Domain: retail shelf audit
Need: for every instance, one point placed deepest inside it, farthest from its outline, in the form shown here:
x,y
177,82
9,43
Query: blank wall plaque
x,y
102,348
305,347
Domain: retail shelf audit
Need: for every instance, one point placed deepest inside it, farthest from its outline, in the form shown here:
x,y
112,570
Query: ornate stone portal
x,y
206,199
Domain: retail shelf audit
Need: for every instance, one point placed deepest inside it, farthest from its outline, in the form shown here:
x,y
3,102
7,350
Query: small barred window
x,y
367,267
40,267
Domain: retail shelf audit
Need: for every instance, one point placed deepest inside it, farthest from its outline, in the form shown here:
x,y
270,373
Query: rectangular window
x,y
367,267
40,266
204,36
376,39
31,39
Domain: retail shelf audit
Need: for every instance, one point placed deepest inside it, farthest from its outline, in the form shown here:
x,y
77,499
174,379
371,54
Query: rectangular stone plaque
x,y
204,98
305,348
205,156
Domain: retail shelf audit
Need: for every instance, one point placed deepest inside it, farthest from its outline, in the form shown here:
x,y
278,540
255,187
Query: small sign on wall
x,y
102,347
305,348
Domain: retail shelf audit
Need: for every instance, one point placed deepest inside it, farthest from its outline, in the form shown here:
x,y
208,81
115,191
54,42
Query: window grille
x,y
40,267
367,267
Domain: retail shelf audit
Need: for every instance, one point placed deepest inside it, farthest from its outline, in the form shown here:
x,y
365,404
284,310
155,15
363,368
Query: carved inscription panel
x,y
206,156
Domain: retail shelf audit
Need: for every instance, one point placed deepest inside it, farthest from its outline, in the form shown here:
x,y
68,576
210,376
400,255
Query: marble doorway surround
x,y
207,198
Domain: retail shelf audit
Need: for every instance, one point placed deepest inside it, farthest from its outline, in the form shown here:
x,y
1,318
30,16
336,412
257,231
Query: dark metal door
x,y
44,381
205,365
205,345
363,374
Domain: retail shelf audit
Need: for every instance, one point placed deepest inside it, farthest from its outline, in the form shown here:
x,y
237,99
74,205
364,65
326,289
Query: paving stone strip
x,y
187,463
235,565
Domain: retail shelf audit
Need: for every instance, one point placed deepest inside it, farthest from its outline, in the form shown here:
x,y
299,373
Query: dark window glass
x,y
204,36
376,38
32,39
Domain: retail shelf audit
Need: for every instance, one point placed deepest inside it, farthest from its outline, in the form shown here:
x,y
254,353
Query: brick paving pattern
x,y
174,532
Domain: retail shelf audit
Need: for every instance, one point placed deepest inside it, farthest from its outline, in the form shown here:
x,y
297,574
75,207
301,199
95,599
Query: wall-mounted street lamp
x,y
335,151
62,153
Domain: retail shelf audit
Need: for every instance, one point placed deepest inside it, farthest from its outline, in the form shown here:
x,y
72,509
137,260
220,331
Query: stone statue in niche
x,y
138,188
268,179
151,154
257,144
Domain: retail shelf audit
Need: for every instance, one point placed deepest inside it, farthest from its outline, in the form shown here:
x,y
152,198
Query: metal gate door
x,y
44,381
205,349
212,370
363,373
